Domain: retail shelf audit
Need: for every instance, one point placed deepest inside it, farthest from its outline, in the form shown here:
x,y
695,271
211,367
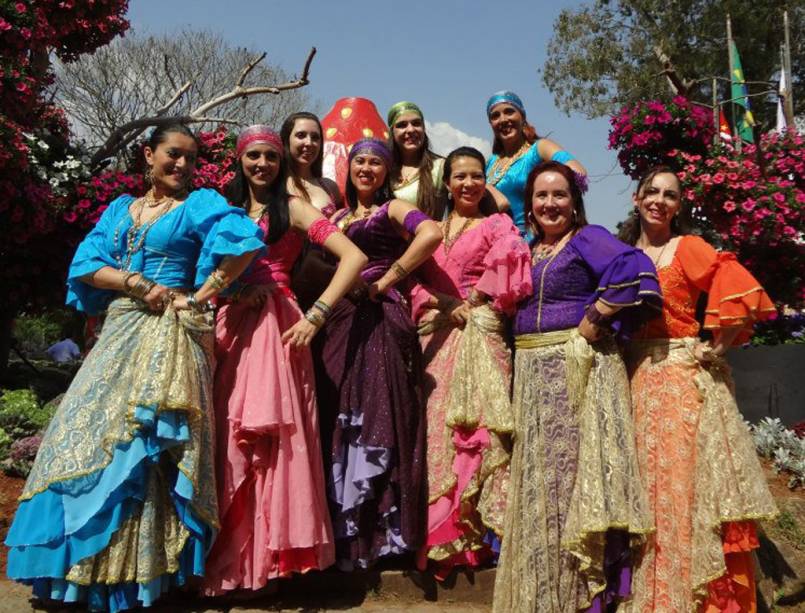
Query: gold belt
x,y
535,340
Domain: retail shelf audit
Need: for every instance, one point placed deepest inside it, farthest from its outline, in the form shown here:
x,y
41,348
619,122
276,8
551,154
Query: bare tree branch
x,y
124,134
249,67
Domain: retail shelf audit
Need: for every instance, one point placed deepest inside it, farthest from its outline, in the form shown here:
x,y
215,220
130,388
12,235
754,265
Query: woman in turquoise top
x,y
516,150
120,503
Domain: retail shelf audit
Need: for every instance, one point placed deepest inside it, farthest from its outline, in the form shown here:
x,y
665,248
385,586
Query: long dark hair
x,y
487,204
428,196
160,134
629,230
279,217
285,135
579,218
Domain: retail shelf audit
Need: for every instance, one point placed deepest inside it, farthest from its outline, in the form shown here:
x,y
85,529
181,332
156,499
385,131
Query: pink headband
x,y
258,134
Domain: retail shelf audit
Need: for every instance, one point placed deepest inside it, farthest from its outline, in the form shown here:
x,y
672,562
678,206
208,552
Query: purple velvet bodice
x,y
377,237
593,265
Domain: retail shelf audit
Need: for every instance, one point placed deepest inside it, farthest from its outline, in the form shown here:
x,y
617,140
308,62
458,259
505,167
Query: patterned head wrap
x,y
507,97
400,108
372,146
258,133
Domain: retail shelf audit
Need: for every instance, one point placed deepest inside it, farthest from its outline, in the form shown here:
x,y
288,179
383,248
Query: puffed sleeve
x,y
734,296
626,276
507,265
222,229
93,253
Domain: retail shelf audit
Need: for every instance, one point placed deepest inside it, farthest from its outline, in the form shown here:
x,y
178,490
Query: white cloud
x,y
444,138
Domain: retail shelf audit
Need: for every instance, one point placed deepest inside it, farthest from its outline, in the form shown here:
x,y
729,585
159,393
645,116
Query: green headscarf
x,y
402,107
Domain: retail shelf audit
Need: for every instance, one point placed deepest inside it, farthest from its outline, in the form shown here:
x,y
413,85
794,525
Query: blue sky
x,y
448,56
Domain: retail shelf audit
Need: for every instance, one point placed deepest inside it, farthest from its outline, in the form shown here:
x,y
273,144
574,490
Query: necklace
x,y
500,167
152,202
137,233
658,259
543,251
354,216
405,181
449,241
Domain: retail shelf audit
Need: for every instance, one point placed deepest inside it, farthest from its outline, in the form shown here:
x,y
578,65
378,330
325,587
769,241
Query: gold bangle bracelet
x,y
399,270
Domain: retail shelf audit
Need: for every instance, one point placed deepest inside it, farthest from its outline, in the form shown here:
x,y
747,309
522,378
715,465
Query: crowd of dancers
x,y
446,364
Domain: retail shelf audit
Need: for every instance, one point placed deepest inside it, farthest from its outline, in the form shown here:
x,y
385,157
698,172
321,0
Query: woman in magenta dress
x,y
274,517
475,277
372,417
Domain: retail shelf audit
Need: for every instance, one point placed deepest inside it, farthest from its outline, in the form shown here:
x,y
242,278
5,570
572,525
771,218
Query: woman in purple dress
x,y
576,509
371,369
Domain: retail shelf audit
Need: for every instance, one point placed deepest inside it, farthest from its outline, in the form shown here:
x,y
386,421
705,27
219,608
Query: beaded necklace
x,y
500,168
137,232
449,241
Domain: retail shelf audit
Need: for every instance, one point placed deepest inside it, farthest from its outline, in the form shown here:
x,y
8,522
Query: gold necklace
x,y
657,261
449,241
541,251
500,168
354,216
406,181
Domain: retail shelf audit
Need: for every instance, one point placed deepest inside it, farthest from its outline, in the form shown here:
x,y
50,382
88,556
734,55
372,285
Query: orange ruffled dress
x,y
704,481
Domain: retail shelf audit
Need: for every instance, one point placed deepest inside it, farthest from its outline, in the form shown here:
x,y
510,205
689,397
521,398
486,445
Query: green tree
x,y
609,53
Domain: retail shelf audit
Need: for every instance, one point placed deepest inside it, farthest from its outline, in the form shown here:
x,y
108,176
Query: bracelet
x,y
217,279
126,279
198,307
141,287
315,317
325,308
597,318
399,270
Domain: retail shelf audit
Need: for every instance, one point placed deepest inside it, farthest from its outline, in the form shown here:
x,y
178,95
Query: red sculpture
x,y
350,120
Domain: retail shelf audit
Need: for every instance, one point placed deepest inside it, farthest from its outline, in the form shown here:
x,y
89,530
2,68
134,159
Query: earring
x,y
449,195
149,175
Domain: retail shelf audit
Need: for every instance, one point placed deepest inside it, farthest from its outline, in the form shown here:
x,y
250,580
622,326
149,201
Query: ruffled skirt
x,y
470,423
120,503
703,478
271,493
373,430
576,513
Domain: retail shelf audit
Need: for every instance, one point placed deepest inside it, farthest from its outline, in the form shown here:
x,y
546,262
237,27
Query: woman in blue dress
x,y
516,150
120,504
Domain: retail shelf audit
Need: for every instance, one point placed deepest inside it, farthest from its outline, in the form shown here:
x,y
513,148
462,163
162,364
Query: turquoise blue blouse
x,y
512,183
181,249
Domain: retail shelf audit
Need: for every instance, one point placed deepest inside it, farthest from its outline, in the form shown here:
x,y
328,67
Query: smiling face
x,y
507,122
408,132
467,184
172,163
304,142
552,204
658,201
261,165
367,172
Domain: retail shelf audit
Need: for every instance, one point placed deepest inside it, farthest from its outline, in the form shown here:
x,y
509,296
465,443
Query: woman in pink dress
x,y
273,508
475,277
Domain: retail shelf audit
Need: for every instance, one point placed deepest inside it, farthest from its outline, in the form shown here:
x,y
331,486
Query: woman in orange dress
x,y
705,483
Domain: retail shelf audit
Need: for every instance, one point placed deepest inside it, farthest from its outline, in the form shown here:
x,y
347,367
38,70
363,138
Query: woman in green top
x,y
412,159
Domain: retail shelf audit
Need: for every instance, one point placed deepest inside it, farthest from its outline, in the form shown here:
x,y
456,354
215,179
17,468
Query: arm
x,y
593,326
351,261
549,148
427,237
500,200
230,268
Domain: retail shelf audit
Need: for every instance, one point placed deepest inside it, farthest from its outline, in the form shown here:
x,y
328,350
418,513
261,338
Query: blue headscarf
x,y
507,97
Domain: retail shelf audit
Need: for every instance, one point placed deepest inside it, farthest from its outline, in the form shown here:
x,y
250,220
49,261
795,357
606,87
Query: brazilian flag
x,y
740,96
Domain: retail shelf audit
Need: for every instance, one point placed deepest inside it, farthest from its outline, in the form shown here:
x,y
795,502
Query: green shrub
x,y
5,444
35,333
21,415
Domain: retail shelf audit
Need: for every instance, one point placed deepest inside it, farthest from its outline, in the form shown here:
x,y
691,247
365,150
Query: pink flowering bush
x,y
751,202
643,133
34,138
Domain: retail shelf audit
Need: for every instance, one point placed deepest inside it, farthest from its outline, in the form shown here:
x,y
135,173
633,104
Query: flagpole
x,y
788,107
736,132
716,113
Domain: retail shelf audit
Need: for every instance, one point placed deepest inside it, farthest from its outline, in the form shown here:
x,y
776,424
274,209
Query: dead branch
x,y
129,131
